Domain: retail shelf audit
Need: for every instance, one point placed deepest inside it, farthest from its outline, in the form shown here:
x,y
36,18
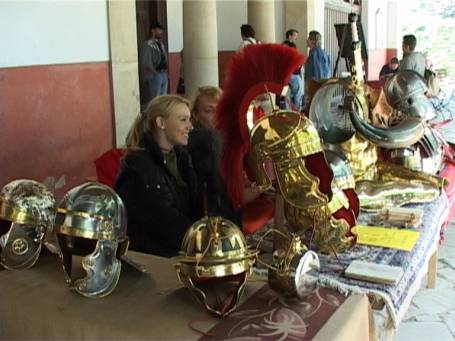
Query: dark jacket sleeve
x,y
205,149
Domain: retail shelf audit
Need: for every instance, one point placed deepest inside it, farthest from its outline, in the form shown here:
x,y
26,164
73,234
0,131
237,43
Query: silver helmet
x,y
27,210
405,91
91,222
337,125
427,155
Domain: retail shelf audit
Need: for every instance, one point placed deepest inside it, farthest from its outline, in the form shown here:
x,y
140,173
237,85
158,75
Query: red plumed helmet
x,y
254,70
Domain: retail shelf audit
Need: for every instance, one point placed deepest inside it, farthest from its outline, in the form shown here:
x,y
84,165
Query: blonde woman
x,y
156,181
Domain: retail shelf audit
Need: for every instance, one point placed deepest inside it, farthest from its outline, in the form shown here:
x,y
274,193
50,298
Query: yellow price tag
x,y
393,238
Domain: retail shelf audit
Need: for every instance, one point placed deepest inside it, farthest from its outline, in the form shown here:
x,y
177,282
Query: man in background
x,y
389,69
412,60
154,64
291,37
295,93
317,66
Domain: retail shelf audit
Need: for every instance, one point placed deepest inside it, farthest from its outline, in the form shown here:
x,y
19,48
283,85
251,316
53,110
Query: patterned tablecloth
x,y
268,316
414,264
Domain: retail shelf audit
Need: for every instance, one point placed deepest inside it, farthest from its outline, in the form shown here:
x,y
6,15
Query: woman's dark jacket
x,y
159,211
205,147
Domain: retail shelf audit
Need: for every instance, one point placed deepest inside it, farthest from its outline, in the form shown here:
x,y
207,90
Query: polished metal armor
x,y
427,155
405,91
214,255
91,223
284,138
27,211
290,142
360,140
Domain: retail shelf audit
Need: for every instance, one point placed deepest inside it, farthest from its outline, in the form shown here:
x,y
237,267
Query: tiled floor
x,y
432,312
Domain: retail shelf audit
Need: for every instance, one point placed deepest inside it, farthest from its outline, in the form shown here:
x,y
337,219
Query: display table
x,y
36,303
415,264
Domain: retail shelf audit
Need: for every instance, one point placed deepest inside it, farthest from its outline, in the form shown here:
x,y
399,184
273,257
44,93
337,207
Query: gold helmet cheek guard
x,y
286,138
228,303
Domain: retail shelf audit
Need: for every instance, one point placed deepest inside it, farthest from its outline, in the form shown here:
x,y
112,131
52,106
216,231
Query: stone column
x,y
261,15
304,16
124,61
200,44
395,12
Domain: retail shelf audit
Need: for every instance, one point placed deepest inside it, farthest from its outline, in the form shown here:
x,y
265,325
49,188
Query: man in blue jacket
x,y
317,65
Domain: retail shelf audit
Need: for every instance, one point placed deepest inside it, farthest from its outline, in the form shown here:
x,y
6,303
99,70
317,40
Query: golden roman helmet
x,y
27,211
214,256
285,138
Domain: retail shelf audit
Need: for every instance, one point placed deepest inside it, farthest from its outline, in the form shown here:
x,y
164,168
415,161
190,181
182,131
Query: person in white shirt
x,y
412,60
248,36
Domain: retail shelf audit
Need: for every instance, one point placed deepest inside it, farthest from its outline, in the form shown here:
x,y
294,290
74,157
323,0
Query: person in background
x,y
157,182
389,69
317,66
205,142
154,64
203,106
295,93
181,82
291,37
205,146
248,36
412,60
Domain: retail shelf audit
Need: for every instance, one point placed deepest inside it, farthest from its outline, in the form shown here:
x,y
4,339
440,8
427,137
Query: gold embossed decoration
x,y
215,261
284,138
313,198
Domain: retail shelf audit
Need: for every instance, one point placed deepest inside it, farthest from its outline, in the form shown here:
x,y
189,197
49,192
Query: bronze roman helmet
x,y
214,256
27,211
